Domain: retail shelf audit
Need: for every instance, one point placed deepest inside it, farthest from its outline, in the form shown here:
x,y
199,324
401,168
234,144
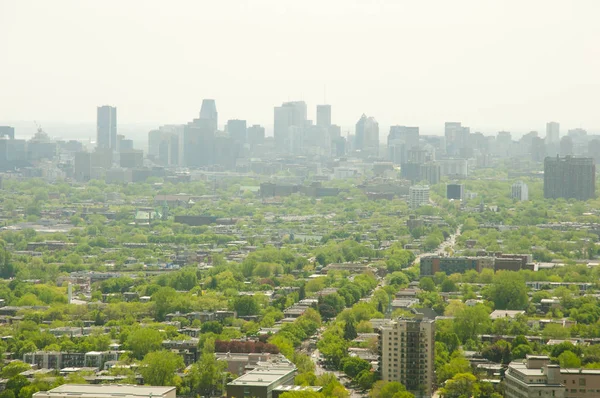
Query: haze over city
x,y
507,65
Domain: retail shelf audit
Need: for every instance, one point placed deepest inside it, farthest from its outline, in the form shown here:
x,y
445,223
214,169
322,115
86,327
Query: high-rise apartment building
x,y
520,191
366,137
106,127
418,195
407,354
323,115
569,177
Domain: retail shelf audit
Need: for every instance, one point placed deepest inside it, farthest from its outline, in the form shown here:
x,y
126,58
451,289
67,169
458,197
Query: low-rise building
x,y
261,382
537,377
104,391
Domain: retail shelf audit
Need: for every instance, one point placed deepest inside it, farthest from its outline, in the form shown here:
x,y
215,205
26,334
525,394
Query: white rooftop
x,y
113,390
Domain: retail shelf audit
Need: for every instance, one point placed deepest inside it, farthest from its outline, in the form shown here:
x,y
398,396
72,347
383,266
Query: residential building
x,y
106,127
520,191
407,352
569,177
106,391
455,191
451,265
418,195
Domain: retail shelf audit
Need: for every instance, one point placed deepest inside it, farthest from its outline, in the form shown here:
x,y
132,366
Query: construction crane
x,y
39,127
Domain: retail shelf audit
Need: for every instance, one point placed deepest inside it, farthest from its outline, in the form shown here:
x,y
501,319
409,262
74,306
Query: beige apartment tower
x,y
407,352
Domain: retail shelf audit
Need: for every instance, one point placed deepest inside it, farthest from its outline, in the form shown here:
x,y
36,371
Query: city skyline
x,y
465,62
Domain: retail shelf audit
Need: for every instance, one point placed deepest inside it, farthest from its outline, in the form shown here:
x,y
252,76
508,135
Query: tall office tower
x,y
503,144
520,191
538,149
7,131
285,116
594,150
323,115
154,140
569,177
552,139
208,111
457,137
199,143
366,136
168,150
418,195
255,135
82,168
236,129
400,141
566,146
407,354
430,172
106,127
552,132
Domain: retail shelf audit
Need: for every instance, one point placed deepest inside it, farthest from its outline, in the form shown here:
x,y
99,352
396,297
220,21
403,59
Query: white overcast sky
x,y
506,64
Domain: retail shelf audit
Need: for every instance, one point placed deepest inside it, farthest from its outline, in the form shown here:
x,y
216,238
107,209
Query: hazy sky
x,y
506,64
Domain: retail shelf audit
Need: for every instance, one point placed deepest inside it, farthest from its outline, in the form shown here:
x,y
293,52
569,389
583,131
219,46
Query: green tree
x,y
569,360
352,366
206,376
459,386
350,330
14,368
469,322
389,389
427,284
159,368
508,291
211,327
246,305
141,341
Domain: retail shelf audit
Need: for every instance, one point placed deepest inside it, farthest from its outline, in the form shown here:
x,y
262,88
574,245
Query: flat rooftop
x,y
263,377
113,390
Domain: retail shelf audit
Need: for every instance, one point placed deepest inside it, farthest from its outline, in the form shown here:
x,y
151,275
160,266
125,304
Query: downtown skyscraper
x,y
106,127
